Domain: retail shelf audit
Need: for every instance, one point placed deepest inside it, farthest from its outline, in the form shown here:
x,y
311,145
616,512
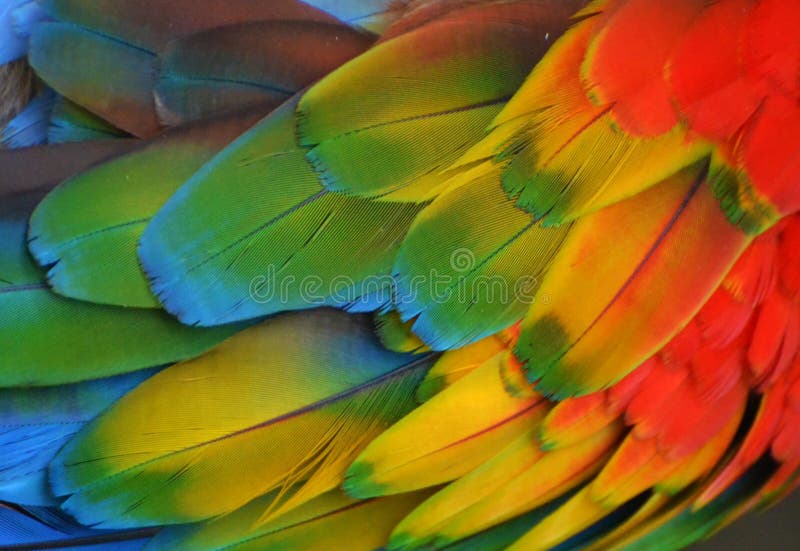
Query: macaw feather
x,y
40,528
456,364
259,63
104,55
302,395
576,419
29,127
564,352
70,122
371,15
17,87
548,477
395,334
562,156
48,339
402,102
36,422
321,524
683,526
275,227
472,263
421,451
90,252
84,66
152,25
482,274
431,518
16,18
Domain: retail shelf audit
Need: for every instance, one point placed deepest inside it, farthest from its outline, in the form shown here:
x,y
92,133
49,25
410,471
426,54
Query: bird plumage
x,y
574,223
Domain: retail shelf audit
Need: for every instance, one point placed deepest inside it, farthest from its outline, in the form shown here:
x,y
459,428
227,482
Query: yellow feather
x,y
455,364
448,436
553,475
294,399
324,523
432,515
619,288
575,515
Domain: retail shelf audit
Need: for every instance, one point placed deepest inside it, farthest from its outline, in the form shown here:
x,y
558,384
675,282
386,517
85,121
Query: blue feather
x,y
29,127
35,423
16,19
371,15
41,528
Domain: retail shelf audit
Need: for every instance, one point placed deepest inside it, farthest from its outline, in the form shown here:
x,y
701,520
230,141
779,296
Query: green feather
x,y
87,229
472,263
254,233
390,122
47,339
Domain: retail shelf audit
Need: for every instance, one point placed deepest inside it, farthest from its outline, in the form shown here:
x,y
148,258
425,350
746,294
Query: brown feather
x,y
17,85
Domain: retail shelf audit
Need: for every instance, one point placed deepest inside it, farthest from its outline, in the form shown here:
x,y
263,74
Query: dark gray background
x,y
773,530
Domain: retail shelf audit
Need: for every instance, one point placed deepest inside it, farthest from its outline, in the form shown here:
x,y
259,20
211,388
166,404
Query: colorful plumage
x,y
401,274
